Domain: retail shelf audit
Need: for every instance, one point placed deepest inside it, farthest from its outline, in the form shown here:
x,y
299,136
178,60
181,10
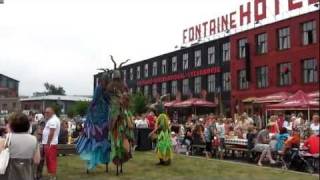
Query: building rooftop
x,y
8,77
57,97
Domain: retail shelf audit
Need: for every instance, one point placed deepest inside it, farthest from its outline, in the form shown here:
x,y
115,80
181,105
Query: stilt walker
x,y
94,145
121,127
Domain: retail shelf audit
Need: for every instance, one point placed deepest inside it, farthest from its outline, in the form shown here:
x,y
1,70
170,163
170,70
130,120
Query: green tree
x,y
138,103
78,108
51,89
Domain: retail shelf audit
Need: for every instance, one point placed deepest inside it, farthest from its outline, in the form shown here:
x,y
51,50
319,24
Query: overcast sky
x,y
65,41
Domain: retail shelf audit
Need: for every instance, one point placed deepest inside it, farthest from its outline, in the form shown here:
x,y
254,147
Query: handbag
x,y
5,155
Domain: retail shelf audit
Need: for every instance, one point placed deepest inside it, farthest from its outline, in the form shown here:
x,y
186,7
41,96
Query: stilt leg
x,y
107,168
121,168
87,167
117,170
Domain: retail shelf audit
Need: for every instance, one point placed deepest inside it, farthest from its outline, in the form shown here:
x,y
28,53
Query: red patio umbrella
x,y
273,98
171,103
194,102
298,101
314,95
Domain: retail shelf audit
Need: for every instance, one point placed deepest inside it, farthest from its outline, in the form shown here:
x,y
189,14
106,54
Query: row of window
x,y
185,62
197,87
309,72
8,83
309,69
308,34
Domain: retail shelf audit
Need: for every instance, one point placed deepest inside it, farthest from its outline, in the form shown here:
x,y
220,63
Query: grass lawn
x,y
142,166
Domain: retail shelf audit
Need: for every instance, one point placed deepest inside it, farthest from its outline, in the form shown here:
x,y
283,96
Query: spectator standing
x,y
221,135
151,120
288,123
208,136
63,135
24,150
274,128
188,140
314,126
50,141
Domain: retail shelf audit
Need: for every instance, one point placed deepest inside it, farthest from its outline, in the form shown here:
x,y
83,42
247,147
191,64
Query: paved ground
x,y
143,166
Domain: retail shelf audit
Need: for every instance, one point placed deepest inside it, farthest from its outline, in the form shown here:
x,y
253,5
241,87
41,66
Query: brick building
x,y
282,56
9,94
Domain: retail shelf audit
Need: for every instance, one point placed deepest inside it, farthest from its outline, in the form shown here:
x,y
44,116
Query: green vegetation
x,y
138,103
79,108
143,166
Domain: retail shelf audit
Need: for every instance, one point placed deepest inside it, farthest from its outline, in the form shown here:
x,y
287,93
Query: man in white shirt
x,y
50,140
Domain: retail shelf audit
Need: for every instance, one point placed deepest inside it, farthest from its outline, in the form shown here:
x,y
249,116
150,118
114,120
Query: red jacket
x,y
313,144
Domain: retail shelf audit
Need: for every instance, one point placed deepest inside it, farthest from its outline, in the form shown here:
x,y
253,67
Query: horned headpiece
x,y
115,73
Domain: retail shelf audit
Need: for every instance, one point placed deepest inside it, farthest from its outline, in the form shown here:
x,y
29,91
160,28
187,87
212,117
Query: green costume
x,y
164,144
121,134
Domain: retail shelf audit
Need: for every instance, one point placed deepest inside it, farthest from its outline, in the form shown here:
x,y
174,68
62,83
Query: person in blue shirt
x,y
281,138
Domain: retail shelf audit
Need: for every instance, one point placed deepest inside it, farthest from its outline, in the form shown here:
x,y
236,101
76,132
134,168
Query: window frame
x,y
211,55
164,69
164,88
283,78
197,85
226,81
185,61
154,90
312,68
284,35
305,32
211,83
174,87
138,72
185,87
242,48
174,63
197,58
226,53
262,43
262,74
243,83
155,68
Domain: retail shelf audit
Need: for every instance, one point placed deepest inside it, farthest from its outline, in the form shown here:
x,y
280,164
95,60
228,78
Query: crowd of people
x,y
279,136
281,133
33,142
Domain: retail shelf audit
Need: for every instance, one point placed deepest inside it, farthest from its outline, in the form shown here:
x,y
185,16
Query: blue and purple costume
x,y
94,145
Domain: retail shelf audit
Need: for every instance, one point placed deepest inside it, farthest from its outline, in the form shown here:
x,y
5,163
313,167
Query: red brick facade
x,y
294,55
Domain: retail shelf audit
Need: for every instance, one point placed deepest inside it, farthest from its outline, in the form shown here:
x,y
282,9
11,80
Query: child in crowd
x,y
174,141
